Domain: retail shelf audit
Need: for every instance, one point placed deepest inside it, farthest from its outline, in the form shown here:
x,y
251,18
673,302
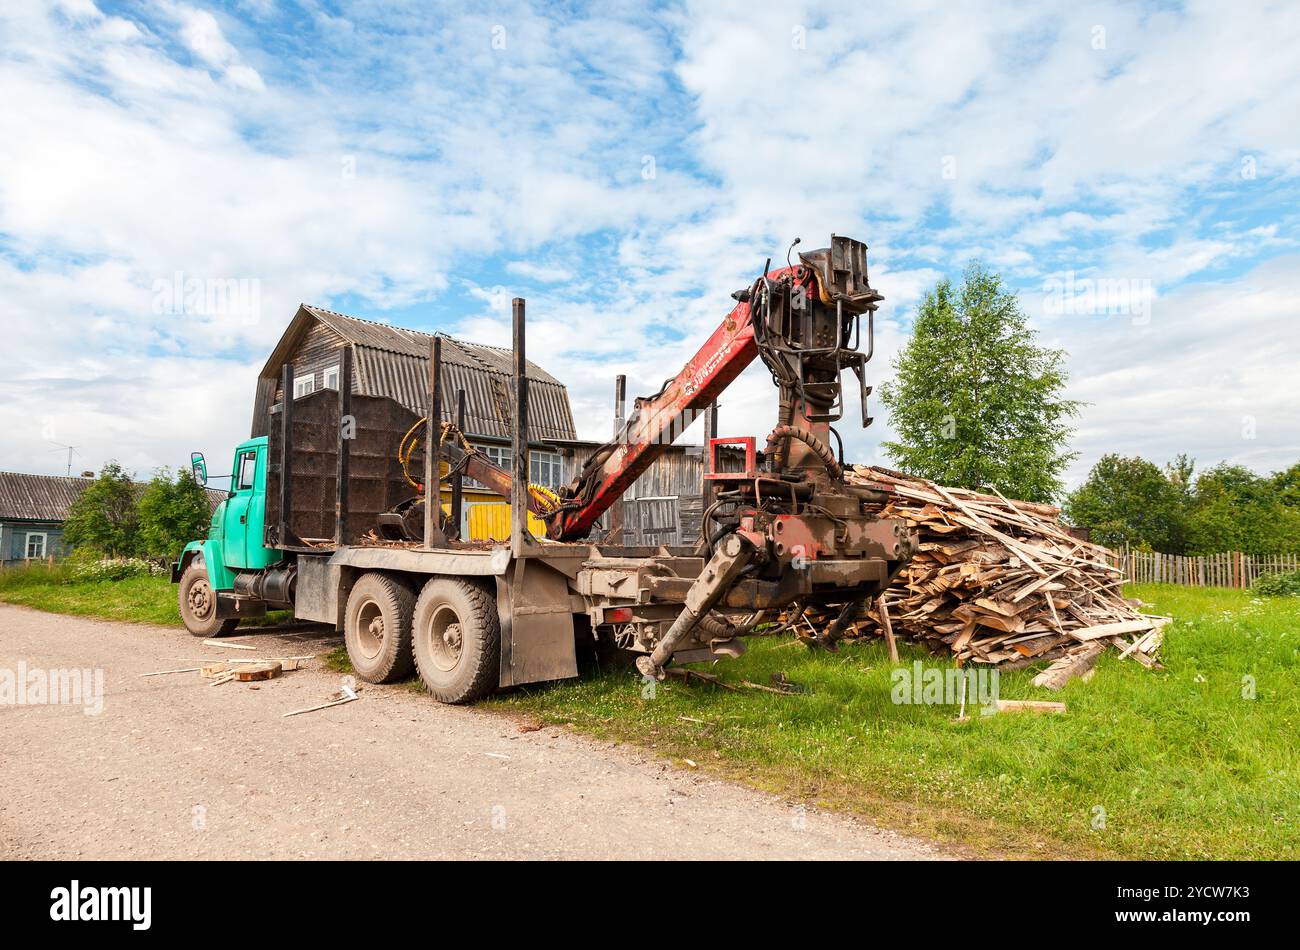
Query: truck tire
x,y
377,628
457,640
198,603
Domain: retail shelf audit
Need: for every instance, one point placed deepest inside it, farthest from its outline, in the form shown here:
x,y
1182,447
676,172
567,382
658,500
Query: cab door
x,y
246,512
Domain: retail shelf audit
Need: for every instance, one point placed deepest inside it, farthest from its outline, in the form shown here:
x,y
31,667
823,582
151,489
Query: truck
x,y
325,517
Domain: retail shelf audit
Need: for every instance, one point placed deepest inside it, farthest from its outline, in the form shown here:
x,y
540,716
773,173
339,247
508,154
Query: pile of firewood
x,y
1000,582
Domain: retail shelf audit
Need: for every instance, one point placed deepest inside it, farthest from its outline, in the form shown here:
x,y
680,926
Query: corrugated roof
x,y
394,362
26,497
38,497
384,336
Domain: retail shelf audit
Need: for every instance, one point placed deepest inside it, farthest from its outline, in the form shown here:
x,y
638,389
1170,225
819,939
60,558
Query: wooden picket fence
x,y
1230,569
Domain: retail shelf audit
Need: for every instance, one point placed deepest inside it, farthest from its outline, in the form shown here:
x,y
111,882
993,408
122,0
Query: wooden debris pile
x,y
999,582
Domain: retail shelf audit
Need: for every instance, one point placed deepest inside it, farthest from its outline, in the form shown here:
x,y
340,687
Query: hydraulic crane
x,y
787,529
783,532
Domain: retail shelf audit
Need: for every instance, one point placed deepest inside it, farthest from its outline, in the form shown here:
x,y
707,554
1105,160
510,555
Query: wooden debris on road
x,y
999,582
344,696
228,645
259,671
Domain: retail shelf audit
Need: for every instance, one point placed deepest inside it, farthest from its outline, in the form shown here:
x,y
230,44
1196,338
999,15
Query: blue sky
x,y
1131,170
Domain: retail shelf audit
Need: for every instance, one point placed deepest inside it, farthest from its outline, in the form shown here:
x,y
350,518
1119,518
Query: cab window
x,y
245,471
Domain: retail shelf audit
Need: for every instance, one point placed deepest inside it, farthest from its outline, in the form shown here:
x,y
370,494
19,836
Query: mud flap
x,y
537,637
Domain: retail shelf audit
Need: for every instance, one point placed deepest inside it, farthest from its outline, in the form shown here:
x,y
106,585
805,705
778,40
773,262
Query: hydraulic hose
x,y
820,448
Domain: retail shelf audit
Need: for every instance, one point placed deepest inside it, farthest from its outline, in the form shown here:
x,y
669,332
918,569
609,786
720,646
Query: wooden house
x,y
664,506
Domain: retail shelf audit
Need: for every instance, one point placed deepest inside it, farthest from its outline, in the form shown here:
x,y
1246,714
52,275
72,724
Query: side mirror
x,y
199,467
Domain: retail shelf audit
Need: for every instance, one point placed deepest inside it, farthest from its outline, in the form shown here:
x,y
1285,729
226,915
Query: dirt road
x,y
171,767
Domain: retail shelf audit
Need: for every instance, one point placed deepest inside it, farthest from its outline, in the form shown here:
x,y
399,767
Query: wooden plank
x,y
1110,629
888,627
1030,706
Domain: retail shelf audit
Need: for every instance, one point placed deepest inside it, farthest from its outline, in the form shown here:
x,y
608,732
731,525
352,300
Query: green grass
x,y
135,599
1182,765
132,600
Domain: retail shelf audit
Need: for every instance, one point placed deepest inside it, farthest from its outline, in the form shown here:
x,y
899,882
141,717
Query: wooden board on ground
x,y
259,671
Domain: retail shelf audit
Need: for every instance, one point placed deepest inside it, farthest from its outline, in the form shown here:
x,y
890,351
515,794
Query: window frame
x,y
299,391
554,463
241,460
336,371
45,545
500,455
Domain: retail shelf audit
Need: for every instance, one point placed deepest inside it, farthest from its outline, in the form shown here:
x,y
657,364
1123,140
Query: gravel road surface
x,y
172,767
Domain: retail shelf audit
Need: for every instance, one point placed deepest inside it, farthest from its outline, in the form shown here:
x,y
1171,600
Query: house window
x,y
331,378
304,385
35,546
500,456
247,471
544,469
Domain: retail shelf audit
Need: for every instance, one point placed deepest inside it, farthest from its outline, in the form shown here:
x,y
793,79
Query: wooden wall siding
x,y
13,541
679,471
652,521
1229,569
321,349
677,475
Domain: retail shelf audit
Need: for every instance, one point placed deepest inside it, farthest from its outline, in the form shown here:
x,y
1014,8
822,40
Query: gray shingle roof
x,y
26,497
38,497
394,362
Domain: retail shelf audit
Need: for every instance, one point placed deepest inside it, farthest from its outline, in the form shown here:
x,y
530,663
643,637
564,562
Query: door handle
x,y
243,519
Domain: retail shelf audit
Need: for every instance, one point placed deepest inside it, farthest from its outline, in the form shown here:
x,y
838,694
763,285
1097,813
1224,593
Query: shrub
x,y
1286,584
114,569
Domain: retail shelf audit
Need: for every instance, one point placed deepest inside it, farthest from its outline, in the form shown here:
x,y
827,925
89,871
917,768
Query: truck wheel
x,y
377,629
457,640
198,604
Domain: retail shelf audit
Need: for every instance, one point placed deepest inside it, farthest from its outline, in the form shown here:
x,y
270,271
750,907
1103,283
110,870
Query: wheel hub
x,y
200,599
446,638
451,637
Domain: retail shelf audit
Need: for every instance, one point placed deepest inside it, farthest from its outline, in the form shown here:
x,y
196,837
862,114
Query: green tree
x,y
104,518
1130,501
1233,509
1287,484
173,511
975,400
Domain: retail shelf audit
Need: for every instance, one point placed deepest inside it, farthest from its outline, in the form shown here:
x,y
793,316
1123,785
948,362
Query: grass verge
x,y
143,599
1164,764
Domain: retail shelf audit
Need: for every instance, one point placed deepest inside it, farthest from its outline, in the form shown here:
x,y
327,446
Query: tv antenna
x,y
71,450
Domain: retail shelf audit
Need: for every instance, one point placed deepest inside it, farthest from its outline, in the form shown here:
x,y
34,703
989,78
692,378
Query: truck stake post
x,y
433,535
457,480
620,419
286,465
343,471
519,534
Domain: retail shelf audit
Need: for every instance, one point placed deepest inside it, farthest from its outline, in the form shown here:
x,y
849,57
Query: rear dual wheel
x,y
457,640
377,628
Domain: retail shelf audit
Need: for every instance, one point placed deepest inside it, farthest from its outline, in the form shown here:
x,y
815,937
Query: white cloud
x,y
203,35
392,153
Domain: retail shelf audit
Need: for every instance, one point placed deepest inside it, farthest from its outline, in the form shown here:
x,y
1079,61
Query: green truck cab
x,y
207,571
